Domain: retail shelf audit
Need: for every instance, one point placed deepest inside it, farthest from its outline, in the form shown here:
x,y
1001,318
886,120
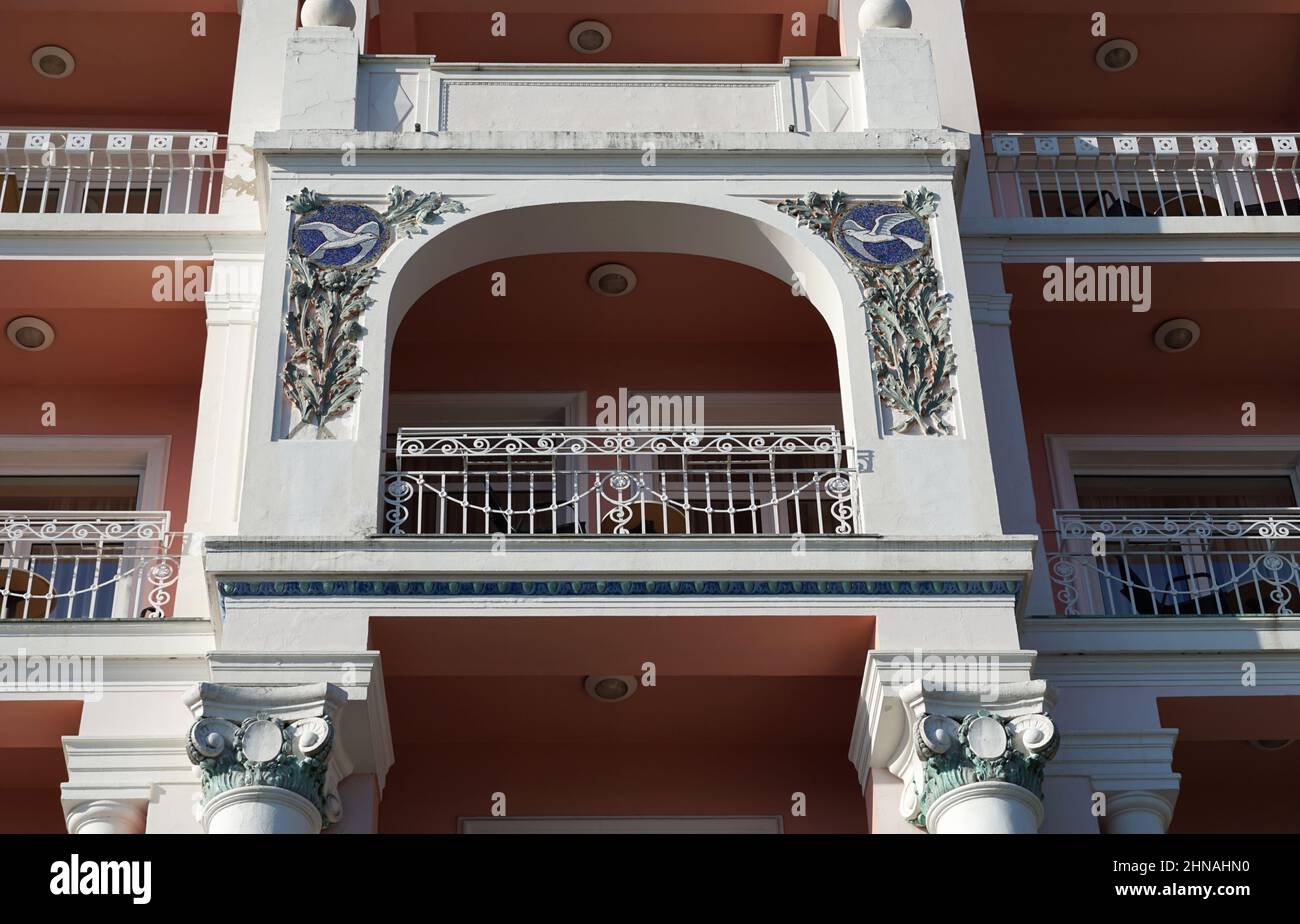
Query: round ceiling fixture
x,y
30,334
1177,335
1272,744
53,62
1117,55
590,37
612,279
610,689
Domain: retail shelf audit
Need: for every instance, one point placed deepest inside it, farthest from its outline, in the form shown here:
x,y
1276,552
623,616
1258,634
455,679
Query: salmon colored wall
x,y
121,363
691,324
1094,369
1035,67
429,790
31,811
133,70
684,31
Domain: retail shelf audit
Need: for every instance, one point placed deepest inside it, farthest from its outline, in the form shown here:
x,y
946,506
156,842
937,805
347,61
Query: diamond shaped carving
x,y
390,104
827,108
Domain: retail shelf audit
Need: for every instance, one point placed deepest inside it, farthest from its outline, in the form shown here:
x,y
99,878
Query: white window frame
x,y
145,457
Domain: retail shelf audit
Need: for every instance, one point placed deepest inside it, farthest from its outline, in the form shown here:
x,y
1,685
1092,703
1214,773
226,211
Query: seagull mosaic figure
x,y
365,237
884,231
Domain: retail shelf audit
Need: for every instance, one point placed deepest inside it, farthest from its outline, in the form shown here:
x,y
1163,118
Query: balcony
x,y
88,565
69,172
599,482
1157,563
409,94
1036,175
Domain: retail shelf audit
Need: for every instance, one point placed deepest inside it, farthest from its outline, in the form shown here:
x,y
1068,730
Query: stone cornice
x,y
915,143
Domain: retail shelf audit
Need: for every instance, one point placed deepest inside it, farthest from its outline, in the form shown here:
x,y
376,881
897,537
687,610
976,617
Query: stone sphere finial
x,y
329,13
885,14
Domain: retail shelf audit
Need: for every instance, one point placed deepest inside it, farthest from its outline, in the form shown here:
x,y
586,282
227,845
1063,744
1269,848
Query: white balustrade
x,y
1100,175
738,481
110,172
1225,562
87,564
412,94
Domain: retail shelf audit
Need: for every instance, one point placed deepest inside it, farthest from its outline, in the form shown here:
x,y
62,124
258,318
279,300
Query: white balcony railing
x,y
405,94
64,172
87,565
1236,562
739,481
1055,175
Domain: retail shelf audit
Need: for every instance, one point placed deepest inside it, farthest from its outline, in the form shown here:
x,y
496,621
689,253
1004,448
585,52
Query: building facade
x,y
877,416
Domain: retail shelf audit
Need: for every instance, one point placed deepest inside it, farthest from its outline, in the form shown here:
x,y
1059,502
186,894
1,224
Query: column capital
x,y
107,816
248,742
942,721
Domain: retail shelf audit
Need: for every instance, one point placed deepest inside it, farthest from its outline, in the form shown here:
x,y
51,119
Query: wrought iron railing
x,y
1227,562
1056,175
537,481
95,172
87,565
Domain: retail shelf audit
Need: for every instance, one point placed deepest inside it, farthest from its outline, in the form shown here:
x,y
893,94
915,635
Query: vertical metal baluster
x,y
1277,185
1169,579
95,577
731,496
686,493
1078,186
90,176
753,506
816,483
1056,175
662,473
1254,177
1038,187
54,583
27,179
708,500
1236,182
1119,185
1022,201
1155,178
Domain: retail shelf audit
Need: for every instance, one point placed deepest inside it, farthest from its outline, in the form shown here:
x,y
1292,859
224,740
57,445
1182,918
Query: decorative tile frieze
x,y
887,247
335,246
614,588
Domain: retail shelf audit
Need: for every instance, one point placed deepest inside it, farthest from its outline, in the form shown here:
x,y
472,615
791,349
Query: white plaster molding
x,y
990,309
122,768
892,694
1128,241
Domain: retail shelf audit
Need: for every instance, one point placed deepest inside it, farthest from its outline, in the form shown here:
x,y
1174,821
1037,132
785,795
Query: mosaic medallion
x,y
342,235
879,234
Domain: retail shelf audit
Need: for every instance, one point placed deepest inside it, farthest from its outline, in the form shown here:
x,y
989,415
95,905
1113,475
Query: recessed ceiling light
x,y
1177,335
590,37
1117,55
53,62
612,279
30,334
610,688
1271,744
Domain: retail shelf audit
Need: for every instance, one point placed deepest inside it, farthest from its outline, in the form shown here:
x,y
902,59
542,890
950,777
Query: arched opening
x,y
614,392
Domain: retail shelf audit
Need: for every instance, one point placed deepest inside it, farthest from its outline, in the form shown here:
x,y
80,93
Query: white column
x,y
1017,506
268,757
107,816
264,30
217,473
986,808
899,82
1138,812
320,80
